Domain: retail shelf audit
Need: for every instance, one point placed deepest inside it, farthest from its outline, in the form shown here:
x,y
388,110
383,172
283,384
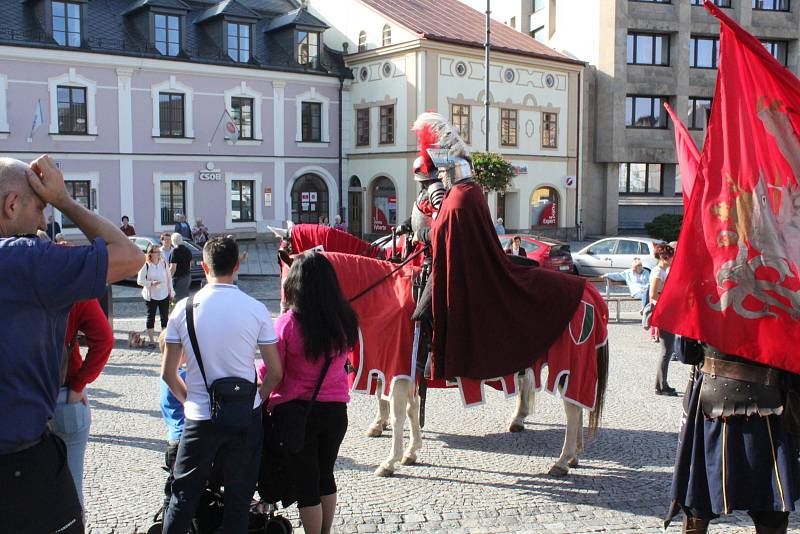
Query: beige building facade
x,y
398,74
640,54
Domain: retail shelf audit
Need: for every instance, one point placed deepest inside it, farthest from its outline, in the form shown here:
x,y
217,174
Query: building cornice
x,y
100,59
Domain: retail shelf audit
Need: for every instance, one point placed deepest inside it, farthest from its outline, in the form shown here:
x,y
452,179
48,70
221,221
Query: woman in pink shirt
x,y
319,325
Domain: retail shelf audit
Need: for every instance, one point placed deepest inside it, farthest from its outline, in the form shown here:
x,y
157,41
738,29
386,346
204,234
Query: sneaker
x,y
667,392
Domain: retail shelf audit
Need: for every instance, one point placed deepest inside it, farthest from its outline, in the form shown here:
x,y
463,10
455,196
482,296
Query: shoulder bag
x,y
291,417
231,398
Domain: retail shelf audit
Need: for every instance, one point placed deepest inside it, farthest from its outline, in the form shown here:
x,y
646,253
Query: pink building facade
x,y
122,163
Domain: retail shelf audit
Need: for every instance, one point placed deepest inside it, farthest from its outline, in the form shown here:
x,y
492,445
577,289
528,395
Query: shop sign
x,y
211,176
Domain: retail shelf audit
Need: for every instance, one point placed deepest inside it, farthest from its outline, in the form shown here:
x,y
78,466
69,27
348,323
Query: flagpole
x,y
488,47
222,116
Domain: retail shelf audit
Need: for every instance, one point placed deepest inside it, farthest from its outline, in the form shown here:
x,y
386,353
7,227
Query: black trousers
x,y
37,494
201,443
163,311
668,346
312,467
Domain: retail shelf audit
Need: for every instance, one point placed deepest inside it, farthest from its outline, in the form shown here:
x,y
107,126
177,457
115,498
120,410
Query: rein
x,y
380,281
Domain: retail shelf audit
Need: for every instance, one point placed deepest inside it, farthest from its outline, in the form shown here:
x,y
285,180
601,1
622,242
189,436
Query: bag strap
x,y
193,337
319,384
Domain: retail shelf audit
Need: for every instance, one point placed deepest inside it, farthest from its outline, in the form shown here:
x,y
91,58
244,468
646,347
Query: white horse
x,y
404,401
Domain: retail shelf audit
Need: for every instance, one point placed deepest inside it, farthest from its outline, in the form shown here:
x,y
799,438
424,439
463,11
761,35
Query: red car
x,y
552,255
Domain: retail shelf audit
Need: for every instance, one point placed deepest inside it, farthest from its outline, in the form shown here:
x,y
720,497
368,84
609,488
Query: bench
x,y
604,286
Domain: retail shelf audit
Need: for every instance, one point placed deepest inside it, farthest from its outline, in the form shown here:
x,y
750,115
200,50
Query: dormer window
x,y
307,48
239,42
67,23
362,41
167,34
387,35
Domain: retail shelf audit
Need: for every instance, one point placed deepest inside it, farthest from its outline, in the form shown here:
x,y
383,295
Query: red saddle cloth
x,y
491,318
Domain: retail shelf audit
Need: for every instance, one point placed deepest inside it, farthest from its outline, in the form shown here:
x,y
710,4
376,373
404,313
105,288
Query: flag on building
x,y
688,155
231,128
38,119
734,282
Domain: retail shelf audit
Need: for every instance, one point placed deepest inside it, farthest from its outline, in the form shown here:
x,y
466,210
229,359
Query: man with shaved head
x,y
39,282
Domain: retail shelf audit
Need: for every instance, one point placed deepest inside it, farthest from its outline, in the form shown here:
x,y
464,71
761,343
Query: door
x,y
355,224
627,249
596,260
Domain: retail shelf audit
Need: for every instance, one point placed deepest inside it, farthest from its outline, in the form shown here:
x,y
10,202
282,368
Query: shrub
x,y
666,226
492,172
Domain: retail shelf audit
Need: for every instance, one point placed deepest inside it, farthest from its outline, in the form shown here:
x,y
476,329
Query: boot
x,y
778,522
694,525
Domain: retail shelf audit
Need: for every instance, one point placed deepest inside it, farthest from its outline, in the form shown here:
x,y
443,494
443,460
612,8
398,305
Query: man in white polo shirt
x,y
230,327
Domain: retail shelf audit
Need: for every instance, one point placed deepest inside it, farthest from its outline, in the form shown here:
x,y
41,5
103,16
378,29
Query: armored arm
x,y
436,193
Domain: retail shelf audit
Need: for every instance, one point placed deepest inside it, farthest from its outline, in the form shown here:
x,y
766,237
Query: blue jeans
x,y
71,424
202,444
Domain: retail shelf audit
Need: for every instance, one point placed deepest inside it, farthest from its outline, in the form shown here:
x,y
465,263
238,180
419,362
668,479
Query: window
x,y
307,48
71,102
771,5
703,52
777,49
720,3
387,35
170,107
538,33
648,49
538,5
173,200
362,41
508,127
242,114
362,127
168,34
312,122
387,125
459,116
80,191
626,246
640,178
239,42
699,112
384,205
242,201
603,247
549,130
654,1
513,22
645,112
67,23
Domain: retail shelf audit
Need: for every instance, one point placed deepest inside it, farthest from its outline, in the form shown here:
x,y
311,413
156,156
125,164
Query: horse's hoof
x,y
382,471
573,463
558,471
409,459
516,427
374,431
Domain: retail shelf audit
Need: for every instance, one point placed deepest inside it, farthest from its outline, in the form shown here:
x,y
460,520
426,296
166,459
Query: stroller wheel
x,y
278,525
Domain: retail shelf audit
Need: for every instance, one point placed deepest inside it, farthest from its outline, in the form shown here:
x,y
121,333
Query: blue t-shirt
x,y
172,409
39,283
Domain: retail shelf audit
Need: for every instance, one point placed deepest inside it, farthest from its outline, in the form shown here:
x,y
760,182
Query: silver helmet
x,y
424,170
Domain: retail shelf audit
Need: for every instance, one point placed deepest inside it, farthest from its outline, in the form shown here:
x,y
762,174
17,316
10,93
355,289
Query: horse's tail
x,y
602,382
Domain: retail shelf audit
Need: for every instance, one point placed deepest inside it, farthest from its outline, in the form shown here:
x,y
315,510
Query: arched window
x,y
362,41
355,182
545,206
309,199
384,205
387,35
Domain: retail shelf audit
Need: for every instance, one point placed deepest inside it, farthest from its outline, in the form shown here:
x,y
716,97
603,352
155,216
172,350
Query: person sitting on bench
x,y
636,278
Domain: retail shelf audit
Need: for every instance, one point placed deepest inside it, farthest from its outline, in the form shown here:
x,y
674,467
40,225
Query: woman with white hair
x,y
637,278
180,266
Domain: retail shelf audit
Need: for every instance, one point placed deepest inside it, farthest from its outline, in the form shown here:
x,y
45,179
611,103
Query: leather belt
x,y
766,376
24,446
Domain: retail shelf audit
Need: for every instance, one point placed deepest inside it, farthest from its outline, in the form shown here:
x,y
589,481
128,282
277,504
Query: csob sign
x,y
211,176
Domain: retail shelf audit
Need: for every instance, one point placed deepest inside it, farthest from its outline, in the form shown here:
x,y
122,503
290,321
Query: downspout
x,y
341,150
578,232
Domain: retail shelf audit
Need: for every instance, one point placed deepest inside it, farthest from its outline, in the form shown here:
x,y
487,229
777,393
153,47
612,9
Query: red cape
x,y
491,318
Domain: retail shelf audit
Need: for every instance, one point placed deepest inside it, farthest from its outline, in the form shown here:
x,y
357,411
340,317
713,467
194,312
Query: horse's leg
x,y
524,403
379,424
398,401
569,452
578,442
410,455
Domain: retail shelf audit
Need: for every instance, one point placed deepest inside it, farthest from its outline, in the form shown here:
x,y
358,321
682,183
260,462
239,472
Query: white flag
x,y
231,128
38,119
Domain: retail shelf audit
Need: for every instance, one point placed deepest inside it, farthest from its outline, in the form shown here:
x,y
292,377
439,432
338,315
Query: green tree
x,y
492,172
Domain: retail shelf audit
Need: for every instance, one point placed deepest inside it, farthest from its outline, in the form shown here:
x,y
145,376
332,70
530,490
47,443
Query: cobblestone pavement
x,y
473,477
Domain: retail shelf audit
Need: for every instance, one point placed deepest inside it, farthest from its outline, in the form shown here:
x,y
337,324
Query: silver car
x,y
614,254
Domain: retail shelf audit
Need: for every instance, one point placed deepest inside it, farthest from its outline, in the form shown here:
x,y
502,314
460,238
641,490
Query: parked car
x,y
550,254
614,254
143,242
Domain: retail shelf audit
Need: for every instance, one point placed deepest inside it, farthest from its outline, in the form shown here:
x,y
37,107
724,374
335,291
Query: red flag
x,y
688,155
734,283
